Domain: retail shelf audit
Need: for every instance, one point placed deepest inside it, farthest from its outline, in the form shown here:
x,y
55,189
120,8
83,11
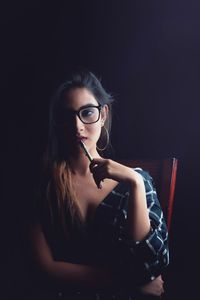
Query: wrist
x,y
135,179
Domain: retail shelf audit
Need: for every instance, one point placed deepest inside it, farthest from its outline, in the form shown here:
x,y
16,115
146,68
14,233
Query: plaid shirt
x,y
144,260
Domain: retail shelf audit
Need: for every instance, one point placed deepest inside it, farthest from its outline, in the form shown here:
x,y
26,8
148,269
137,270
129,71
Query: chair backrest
x,y
163,172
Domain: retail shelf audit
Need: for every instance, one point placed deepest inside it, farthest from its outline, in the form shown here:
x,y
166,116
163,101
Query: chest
x,y
89,196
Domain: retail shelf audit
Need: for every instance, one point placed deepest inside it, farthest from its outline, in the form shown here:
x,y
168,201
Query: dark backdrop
x,y
147,54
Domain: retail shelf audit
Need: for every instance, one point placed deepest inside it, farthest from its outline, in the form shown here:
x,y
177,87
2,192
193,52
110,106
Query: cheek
x,y
96,130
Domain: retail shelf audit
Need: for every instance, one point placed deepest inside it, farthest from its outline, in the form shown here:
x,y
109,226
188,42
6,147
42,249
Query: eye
x,y
87,112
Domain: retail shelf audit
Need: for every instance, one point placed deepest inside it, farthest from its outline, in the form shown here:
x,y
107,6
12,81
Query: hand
x,y
106,168
154,287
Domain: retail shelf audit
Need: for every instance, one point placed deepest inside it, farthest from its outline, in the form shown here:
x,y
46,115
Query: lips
x,y
81,138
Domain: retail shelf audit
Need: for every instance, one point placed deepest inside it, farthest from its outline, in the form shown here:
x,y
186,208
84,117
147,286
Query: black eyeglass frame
x,y
99,107
77,112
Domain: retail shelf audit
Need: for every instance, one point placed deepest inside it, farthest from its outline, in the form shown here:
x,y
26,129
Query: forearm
x,y
142,221
61,272
151,253
79,276
138,218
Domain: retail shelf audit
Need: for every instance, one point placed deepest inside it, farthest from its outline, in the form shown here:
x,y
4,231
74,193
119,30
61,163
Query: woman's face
x,y
74,129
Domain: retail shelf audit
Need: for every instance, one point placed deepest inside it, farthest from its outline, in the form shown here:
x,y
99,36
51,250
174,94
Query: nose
x,y
78,124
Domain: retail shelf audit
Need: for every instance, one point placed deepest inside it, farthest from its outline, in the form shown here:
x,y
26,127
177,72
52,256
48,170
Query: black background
x,y
148,56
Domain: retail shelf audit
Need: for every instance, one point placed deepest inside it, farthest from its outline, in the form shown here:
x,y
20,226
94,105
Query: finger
x,y
99,177
98,162
97,167
99,185
99,171
98,181
93,168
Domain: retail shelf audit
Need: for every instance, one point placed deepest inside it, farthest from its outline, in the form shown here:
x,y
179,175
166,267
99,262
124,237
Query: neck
x,y
80,163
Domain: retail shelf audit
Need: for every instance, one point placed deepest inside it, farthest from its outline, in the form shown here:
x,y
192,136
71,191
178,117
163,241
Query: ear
x,y
104,114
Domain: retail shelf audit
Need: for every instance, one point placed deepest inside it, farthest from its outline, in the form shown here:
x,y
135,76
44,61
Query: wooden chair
x,y
163,172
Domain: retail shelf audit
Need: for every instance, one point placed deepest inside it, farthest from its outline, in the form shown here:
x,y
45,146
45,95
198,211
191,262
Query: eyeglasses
x,y
88,115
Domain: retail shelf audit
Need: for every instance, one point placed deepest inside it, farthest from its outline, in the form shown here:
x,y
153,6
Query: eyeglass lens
x,y
89,114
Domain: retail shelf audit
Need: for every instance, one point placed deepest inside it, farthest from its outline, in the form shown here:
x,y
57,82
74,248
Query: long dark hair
x,y
61,203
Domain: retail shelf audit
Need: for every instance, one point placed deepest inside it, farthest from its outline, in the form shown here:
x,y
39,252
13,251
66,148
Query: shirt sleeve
x,y
146,259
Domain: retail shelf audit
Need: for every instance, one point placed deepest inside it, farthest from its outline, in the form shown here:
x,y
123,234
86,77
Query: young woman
x,y
99,231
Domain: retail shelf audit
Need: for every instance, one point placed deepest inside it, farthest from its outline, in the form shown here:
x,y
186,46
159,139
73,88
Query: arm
x,y
143,238
139,223
63,273
151,253
138,219
155,246
144,210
